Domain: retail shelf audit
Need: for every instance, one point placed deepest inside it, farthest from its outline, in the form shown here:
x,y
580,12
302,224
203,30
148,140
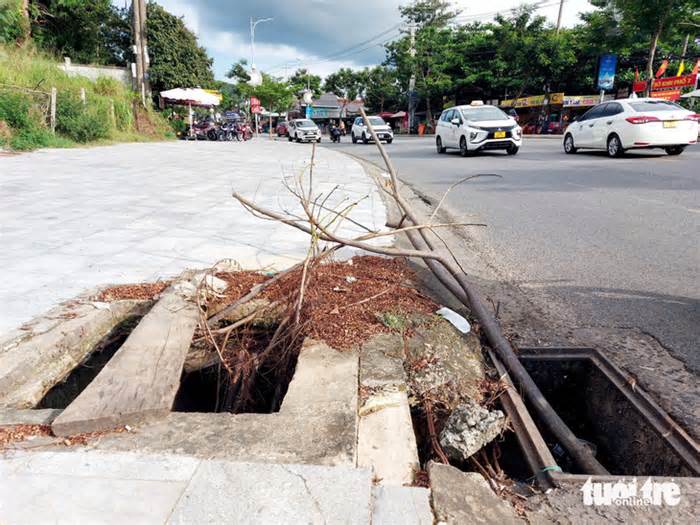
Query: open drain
x,y
62,394
628,432
258,386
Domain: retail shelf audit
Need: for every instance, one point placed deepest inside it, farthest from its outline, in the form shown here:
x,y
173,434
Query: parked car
x,y
633,123
477,127
359,130
282,128
303,130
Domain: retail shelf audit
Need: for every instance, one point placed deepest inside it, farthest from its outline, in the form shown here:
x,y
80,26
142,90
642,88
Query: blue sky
x,y
322,35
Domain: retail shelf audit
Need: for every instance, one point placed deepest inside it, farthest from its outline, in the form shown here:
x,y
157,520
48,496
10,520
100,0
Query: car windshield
x,y
305,123
654,105
377,121
484,113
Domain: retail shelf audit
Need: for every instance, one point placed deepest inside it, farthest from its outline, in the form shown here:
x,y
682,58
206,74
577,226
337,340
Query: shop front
x,y
537,114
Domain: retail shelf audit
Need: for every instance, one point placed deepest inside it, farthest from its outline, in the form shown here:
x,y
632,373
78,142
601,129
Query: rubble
x,y
469,428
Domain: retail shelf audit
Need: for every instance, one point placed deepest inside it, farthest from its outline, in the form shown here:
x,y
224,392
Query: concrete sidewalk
x,y
95,487
76,218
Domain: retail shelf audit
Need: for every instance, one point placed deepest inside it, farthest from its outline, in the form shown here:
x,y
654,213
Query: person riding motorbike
x,y
335,133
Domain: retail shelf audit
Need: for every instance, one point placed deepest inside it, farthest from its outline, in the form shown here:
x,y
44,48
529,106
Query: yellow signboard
x,y
533,101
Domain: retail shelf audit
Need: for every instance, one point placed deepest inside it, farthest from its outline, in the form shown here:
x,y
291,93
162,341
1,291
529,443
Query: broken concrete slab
x,y
470,428
256,493
448,361
465,497
141,380
45,351
404,505
381,361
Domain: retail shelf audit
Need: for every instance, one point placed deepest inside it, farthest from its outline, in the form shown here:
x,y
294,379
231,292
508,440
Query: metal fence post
x,y
82,95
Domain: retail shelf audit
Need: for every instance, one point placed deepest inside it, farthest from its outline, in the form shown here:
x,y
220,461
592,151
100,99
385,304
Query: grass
x,y
107,116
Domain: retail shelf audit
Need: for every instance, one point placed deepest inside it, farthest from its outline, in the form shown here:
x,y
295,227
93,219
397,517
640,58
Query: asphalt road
x,y
614,239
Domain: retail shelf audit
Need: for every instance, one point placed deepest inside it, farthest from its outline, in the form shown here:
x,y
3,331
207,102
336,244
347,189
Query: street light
x,y
255,76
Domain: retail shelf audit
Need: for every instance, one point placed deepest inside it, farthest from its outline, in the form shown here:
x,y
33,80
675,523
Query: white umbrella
x,y
193,96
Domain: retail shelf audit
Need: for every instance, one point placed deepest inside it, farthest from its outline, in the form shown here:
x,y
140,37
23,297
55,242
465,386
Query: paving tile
x,y
404,505
94,212
280,494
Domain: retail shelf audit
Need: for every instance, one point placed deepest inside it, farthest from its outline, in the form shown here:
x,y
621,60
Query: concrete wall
x,y
122,74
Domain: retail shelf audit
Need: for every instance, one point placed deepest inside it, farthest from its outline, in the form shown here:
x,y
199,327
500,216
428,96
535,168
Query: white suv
x,y
360,132
477,127
303,130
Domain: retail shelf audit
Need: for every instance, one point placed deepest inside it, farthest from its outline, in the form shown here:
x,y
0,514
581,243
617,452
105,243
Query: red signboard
x,y
669,94
254,105
667,83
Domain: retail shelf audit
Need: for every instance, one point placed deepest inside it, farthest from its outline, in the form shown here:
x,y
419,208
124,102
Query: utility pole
x,y
145,60
561,9
412,82
138,8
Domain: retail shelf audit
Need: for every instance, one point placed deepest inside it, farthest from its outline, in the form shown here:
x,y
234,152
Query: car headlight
x,y
473,135
517,132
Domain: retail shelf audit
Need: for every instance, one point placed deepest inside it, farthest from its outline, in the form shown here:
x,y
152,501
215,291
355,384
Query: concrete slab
x,y
401,505
45,351
224,492
28,417
386,441
141,380
465,497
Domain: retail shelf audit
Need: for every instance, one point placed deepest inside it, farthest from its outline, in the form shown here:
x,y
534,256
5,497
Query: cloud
x,y
322,35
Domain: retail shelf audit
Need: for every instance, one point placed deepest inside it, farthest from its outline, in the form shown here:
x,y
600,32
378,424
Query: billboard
x,y
607,66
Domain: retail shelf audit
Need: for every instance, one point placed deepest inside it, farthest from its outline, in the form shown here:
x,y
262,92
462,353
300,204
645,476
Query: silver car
x,y
303,130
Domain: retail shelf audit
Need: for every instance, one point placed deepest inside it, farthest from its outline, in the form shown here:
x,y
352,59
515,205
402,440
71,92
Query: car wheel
x,y
296,138
289,138
615,146
389,141
365,140
569,144
439,146
512,149
318,140
463,148
354,139
674,150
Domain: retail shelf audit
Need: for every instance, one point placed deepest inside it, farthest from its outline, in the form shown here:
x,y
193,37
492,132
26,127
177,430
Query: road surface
x,y
614,239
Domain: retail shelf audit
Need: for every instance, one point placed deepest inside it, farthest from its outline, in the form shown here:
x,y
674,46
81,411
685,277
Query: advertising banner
x,y
668,94
255,105
607,66
683,81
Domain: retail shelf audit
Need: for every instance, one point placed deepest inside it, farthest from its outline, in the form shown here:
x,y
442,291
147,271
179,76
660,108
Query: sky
x,y
321,35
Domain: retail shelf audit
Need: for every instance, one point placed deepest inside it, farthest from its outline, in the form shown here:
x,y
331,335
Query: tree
x,y
91,32
423,13
383,89
654,19
177,60
275,95
14,21
239,71
346,83
302,78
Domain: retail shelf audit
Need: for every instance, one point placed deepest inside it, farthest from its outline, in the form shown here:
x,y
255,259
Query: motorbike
x,y
245,132
335,135
227,131
205,130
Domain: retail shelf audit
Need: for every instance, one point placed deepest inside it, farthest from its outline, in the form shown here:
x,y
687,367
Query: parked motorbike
x,y
228,131
205,130
246,132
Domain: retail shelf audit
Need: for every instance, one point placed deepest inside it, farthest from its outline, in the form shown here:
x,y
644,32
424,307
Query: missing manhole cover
x,y
630,434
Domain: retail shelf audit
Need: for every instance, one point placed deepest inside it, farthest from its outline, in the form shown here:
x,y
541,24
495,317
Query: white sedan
x,y
633,123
